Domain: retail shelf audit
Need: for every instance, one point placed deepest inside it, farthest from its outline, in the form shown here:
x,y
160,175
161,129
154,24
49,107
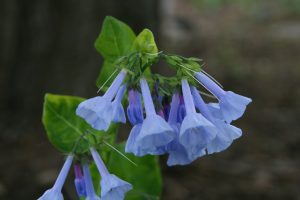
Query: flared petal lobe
x,y
233,106
196,131
154,135
97,112
131,146
226,135
113,188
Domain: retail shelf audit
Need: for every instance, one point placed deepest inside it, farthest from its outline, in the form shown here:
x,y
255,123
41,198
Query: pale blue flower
x,y
118,114
155,133
232,105
195,131
131,146
112,188
226,132
97,111
90,190
55,192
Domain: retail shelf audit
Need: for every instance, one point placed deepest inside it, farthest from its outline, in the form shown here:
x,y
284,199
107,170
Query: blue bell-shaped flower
x,y
226,132
196,131
155,133
97,111
231,104
112,188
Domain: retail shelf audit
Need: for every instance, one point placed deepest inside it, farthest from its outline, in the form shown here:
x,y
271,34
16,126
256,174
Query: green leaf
x,y
145,42
63,126
145,177
114,41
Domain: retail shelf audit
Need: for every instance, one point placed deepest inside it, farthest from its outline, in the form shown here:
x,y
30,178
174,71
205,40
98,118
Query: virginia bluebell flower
x,y
55,192
226,132
90,190
79,181
118,114
112,188
195,131
155,132
97,111
177,153
231,104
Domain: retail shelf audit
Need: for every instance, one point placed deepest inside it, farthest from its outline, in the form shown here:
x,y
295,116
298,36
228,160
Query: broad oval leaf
x,y
63,126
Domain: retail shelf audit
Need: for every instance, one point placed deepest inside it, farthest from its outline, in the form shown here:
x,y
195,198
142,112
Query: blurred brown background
x,y
252,47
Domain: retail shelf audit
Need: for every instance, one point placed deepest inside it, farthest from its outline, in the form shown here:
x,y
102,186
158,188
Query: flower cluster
x,y
112,187
186,127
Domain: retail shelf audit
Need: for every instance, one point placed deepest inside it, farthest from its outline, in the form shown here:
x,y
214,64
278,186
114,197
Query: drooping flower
x,y
178,155
112,187
90,190
155,132
118,114
226,132
79,181
195,131
231,104
55,192
97,111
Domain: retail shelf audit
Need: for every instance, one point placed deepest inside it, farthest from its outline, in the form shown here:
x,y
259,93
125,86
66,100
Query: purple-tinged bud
x,y
134,109
79,181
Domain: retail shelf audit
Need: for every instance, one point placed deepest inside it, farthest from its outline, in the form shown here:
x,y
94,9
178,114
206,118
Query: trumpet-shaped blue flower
x,y
134,109
111,186
226,132
97,111
55,192
90,190
196,131
231,104
118,114
178,154
79,181
155,133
